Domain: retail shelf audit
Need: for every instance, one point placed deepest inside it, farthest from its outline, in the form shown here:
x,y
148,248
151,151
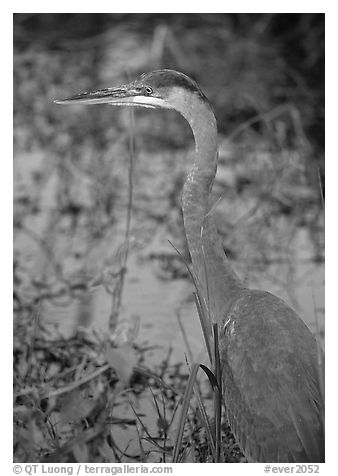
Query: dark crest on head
x,y
166,78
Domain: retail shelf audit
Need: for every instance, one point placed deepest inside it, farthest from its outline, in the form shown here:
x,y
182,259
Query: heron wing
x,y
271,379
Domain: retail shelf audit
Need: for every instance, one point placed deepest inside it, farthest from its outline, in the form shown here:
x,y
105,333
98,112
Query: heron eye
x,y
148,90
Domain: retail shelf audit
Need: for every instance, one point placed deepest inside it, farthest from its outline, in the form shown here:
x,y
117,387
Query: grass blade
x,y
217,394
184,411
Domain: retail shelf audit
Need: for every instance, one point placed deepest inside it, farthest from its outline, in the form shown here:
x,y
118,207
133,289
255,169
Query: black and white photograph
x,y
168,239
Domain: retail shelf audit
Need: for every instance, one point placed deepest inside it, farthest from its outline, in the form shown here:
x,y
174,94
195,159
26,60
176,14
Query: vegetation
x,y
92,188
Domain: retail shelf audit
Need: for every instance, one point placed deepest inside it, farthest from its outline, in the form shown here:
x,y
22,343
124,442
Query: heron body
x,y
270,359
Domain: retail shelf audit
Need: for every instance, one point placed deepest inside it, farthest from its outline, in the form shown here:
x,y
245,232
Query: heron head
x,y
166,89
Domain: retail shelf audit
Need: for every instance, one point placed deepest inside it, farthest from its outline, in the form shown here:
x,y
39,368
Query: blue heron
x,y
271,365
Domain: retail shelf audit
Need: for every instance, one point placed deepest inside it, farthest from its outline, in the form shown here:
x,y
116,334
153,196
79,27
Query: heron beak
x,y
120,96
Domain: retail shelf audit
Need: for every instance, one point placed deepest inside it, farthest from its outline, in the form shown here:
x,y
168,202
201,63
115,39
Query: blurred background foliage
x,y
264,76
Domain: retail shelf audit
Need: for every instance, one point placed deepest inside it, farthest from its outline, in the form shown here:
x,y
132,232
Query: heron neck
x,y
218,283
